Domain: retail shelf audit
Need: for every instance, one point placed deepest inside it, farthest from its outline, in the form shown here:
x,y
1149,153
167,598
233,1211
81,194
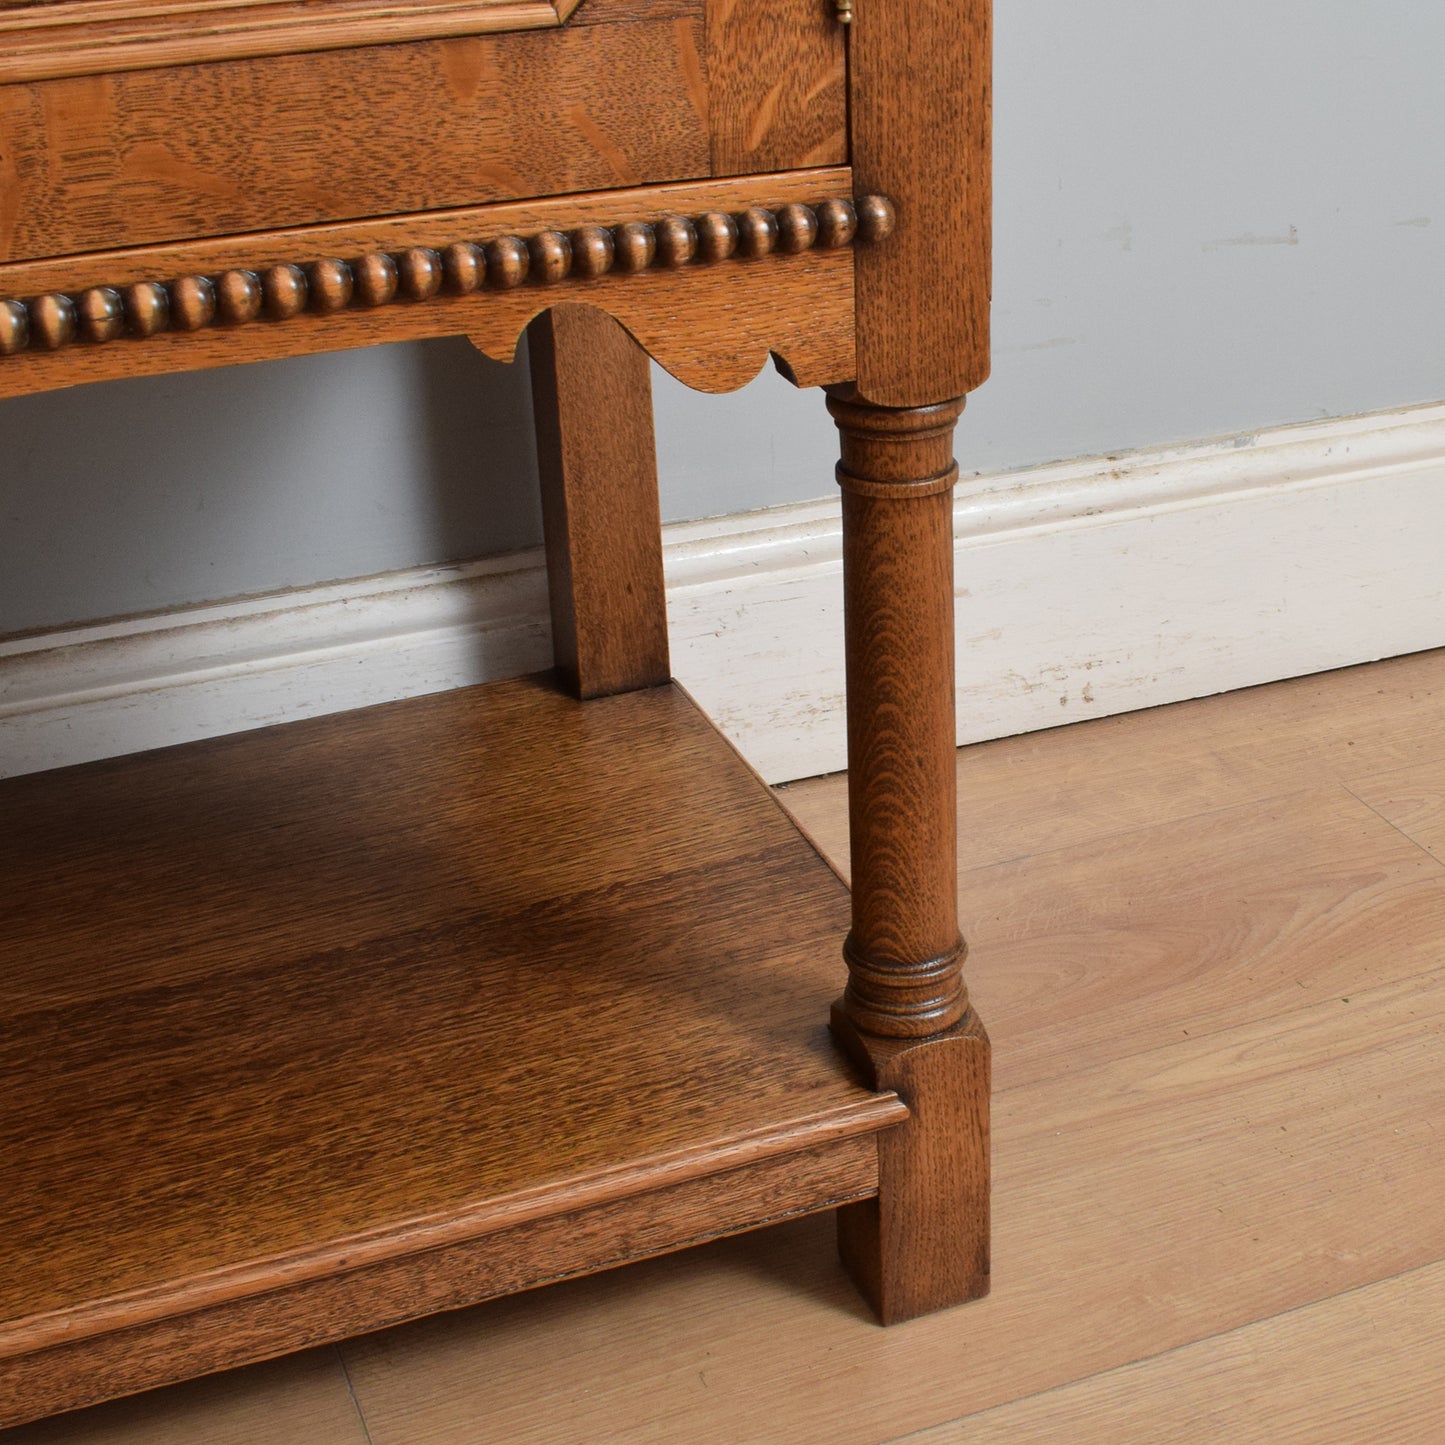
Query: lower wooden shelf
x,y
311,1030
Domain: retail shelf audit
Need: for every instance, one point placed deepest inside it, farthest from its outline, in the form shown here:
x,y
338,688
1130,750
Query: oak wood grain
x,y
777,86
712,325
435,229
99,162
92,37
904,951
592,397
612,12
317,1029
921,1243
341,960
174,1344
389,1012
921,121
713,331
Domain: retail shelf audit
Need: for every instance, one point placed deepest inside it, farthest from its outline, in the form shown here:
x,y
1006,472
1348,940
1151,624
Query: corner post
x,y
919,90
905,1018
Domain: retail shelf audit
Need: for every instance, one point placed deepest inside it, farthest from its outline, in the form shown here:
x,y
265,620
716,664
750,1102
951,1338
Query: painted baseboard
x,y
1085,588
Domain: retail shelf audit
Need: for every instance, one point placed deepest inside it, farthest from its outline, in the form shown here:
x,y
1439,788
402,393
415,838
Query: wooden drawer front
x,y
247,145
40,39
97,162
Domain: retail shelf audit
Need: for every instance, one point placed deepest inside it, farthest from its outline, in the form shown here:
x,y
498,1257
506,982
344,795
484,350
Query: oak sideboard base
x,y
315,1029
312,1030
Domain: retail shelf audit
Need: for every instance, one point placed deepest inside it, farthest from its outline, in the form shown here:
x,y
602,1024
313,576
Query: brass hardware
x,y
845,11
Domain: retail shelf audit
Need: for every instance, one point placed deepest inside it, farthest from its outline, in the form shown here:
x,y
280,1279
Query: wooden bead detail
x,y
757,232
837,224
101,314
635,244
550,256
284,291
52,321
875,219
419,273
797,229
193,303
464,268
190,303
676,241
238,296
14,327
147,308
375,279
330,284
507,262
592,251
717,236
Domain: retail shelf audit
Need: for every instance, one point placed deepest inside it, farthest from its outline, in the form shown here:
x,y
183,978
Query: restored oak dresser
x,y
313,1029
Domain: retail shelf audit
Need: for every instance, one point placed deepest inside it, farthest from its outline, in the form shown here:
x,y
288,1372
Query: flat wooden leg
x,y
905,1016
592,399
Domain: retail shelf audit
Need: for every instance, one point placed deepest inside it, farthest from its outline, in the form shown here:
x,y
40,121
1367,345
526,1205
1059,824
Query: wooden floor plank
x,y
301,1400
1140,1205
1162,933
1070,785
1368,1365
1411,799
1171,932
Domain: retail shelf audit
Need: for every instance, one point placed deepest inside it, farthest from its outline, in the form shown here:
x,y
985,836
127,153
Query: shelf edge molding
x,y
164,1348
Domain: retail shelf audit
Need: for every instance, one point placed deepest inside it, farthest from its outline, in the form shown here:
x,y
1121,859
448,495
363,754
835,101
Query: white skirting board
x,y
1084,588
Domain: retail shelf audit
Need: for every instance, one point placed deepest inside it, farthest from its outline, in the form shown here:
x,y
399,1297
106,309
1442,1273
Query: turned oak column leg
x,y
905,1017
592,400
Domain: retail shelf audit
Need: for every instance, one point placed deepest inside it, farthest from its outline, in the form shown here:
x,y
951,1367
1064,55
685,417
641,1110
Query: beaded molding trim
x,y
279,292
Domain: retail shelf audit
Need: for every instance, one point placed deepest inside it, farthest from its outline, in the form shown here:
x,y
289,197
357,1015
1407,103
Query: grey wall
x,y
1209,218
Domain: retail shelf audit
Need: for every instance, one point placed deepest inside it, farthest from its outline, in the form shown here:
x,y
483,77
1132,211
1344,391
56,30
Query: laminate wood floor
x,y
1209,944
